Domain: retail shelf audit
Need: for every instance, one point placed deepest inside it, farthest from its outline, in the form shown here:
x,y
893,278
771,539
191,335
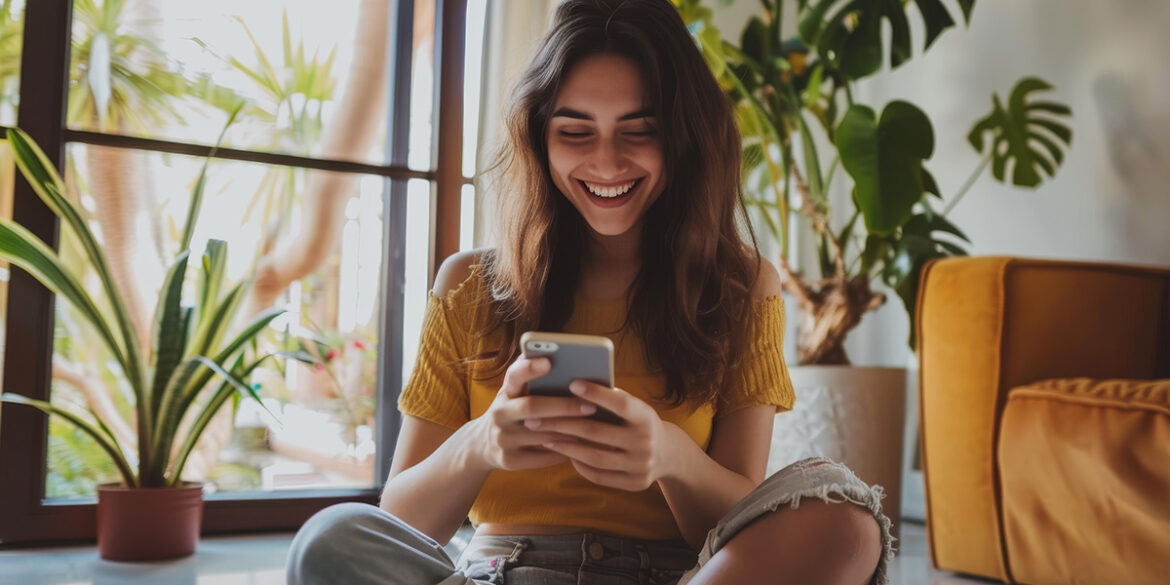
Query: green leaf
x,y
211,325
170,413
211,277
229,388
848,32
168,340
876,248
754,41
196,202
1018,134
192,386
967,6
49,187
811,159
936,18
24,249
885,161
104,439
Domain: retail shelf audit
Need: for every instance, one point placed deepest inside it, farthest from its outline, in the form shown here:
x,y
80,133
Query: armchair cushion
x,y
1085,481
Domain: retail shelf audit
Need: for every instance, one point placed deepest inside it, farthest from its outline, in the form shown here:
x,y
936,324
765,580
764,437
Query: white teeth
x,y
609,192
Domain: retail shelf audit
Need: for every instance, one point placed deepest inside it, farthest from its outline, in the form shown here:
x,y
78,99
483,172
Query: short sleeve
x,y
762,377
437,390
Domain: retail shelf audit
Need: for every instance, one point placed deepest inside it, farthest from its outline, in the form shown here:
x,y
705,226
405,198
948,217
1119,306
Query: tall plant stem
x,y
781,201
820,224
967,186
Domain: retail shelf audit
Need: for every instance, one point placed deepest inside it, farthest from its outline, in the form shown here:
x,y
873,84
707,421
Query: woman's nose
x,y
608,160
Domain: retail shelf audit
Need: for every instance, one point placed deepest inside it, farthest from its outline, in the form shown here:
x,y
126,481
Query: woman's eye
x,y
572,134
641,133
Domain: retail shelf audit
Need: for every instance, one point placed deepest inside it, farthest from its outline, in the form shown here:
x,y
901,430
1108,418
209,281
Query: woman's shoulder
x,y
461,275
767,285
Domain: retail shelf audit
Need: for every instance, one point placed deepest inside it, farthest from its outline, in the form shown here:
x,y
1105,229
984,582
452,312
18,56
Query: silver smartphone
x,y
573,357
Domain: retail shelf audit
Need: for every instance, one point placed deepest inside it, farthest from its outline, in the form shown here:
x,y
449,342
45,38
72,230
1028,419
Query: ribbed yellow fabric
x,y
443,391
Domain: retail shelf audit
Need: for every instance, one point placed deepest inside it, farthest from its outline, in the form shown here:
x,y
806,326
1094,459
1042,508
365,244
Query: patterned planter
x,y
852,415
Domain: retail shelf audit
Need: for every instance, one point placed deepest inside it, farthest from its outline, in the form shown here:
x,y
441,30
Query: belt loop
x,y
522,544
643,564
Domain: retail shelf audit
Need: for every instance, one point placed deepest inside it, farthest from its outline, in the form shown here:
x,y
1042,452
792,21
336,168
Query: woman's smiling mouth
x,y
610,194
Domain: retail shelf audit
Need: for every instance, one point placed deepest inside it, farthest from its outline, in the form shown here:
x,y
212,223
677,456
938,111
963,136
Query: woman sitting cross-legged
x,y
619,215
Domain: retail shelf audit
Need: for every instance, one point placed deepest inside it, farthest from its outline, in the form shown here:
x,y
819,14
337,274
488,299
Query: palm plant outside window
x,y
312,192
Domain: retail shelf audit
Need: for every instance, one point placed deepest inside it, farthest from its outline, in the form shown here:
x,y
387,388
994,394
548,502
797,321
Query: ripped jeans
x,y
361,544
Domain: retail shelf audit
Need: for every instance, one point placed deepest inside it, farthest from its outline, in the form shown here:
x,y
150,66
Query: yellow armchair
x,y
1045,409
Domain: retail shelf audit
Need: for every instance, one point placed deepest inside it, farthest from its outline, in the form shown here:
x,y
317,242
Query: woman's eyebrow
x,y
579,115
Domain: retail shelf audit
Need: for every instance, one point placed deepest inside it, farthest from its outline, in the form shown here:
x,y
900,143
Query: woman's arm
x,y
429,455
703,486
434,460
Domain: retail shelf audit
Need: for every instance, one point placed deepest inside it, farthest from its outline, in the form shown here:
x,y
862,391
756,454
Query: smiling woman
x,y
603,146
620,215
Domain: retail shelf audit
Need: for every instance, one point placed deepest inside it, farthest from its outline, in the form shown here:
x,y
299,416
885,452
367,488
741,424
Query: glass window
x,y
311,74
11,41
317,430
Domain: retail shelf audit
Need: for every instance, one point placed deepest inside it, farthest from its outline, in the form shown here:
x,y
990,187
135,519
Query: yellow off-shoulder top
x,y
444,390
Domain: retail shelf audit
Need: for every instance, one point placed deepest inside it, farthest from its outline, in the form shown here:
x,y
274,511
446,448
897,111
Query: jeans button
x,y
596,551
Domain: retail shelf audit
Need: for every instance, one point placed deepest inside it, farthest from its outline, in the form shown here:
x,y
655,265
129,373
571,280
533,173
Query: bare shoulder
x,y
455,270
768,281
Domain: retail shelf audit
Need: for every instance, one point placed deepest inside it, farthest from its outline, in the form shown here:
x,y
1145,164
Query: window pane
x,y
422,87
320,433
312,74
474,53
11,42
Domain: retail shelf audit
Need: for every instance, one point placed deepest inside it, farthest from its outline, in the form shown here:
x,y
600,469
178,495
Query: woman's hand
x,y
504,441
631,456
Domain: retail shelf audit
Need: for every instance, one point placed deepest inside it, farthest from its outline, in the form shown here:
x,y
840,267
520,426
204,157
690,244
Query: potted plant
x,y
152,513
796,109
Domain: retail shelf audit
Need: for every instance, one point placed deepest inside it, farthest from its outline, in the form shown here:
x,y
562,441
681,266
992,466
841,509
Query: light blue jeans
x,y
359,544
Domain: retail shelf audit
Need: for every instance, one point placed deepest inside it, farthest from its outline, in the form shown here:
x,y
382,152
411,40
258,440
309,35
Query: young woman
x,y
620,215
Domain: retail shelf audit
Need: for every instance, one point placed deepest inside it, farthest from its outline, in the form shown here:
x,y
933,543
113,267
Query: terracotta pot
x,y
147,524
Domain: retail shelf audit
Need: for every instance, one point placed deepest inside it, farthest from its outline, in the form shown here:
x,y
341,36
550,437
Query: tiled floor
x,y
259,560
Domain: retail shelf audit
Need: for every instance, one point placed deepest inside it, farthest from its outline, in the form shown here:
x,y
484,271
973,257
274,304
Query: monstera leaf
x,y
885,160
903,256
852,36
1017,130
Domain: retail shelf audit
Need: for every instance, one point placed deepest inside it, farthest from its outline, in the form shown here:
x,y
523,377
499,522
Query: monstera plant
x,y
795,105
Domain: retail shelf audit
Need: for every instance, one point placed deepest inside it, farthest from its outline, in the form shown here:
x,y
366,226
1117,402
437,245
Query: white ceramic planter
x,y
849,414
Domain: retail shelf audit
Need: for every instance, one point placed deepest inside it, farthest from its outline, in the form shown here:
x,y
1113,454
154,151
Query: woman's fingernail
x,y
532,423
588,409
577,387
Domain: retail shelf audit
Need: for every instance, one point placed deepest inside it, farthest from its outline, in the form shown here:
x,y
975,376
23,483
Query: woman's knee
x,y
329,530
818,541
843,538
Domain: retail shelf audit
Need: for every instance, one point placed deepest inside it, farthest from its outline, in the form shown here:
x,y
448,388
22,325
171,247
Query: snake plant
x,y
194,365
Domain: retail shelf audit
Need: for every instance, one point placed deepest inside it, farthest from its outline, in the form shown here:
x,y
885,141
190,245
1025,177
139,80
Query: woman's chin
x,y
610,228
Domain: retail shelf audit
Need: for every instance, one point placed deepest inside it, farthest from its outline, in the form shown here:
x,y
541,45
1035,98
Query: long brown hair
x,y
691,300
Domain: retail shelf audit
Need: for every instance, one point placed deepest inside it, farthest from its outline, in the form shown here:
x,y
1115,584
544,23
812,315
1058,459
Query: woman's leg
x,y
812,523
359,544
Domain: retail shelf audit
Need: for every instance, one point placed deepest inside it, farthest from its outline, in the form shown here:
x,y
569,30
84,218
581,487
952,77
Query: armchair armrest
x,y
986,325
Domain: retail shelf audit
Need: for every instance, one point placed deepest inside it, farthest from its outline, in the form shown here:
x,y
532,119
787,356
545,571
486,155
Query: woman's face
x,y
603,144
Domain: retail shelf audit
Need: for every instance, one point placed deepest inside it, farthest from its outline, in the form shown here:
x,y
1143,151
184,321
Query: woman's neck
x,y
610,264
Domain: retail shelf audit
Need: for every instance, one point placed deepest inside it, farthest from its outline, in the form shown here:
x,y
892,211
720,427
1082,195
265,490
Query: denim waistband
x,y
588,550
